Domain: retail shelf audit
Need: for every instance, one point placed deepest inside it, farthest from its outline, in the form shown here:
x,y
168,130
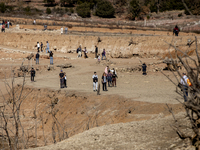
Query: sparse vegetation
x,y
2,7
105,9
48,11
83,10
135,8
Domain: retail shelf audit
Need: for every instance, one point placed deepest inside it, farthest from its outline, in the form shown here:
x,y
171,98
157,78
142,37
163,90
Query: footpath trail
x,y
154,87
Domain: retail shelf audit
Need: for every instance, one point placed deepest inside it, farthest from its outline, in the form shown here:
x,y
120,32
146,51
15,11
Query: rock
x,y
55,48
50,68
65,66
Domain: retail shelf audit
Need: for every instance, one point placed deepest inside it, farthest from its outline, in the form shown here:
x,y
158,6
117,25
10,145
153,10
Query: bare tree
x,y
191,65
10,113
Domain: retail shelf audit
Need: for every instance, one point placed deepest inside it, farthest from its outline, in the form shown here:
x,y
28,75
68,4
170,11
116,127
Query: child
x,y
99,58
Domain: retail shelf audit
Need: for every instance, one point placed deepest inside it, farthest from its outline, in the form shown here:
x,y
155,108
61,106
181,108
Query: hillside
x,y
122,9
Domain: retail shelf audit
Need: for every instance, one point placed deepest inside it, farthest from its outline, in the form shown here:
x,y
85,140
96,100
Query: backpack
x,y
188,82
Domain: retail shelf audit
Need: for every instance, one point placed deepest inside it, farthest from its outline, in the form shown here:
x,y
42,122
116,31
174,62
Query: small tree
x,y
2,7
48,11
105,9
135,8
83,10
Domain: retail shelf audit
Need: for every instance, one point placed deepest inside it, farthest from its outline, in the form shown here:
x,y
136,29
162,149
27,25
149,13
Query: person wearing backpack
x,y
185,82
95,81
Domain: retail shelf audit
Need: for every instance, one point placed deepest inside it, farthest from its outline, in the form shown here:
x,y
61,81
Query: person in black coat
x,y
96,51
32,74
37,56
144,69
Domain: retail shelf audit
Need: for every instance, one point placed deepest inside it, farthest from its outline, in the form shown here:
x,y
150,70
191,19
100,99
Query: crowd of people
x,y
108,77
5,24
79,51
40,49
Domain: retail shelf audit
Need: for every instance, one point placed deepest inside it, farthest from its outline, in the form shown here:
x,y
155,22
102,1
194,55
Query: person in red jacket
x,y
176,31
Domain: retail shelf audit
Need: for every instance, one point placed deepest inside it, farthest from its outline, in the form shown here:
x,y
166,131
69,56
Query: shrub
x,y
2,7
105,9
148,17
66,10
135,8
48,10
83,10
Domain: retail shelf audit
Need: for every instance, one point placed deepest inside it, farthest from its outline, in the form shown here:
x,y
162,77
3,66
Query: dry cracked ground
x,y
132,115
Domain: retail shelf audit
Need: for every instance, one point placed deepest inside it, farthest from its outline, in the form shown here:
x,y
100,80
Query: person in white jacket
x,y
184,86
38,47
95,81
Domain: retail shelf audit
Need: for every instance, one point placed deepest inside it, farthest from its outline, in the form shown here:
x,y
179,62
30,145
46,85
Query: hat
x,y
94,72
61,70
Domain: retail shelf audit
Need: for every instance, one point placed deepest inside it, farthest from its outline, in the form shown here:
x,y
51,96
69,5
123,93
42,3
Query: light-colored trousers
x,y
79,54
95,85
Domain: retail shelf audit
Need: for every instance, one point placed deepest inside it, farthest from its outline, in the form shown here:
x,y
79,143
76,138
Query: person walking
x,y
99,59
37,56
61,76
184,87
95,81
106,70
51,57
176,31
104,81
32,74
47,47
41,45
61,30
8,24
3,28
103,54
66,29
65,80
109,76
114,76
85,52
79,51
38,47
96,51
144,69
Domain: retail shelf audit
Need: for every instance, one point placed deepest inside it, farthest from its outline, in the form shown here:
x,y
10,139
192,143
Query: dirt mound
x,y
77,112
149,134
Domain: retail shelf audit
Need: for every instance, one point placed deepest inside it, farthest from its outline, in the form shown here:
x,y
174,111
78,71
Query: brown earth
x,y
136,107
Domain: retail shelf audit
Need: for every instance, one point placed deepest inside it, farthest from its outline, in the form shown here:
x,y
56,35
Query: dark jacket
x,y
32,72
96,50
37,55
50,54
144,67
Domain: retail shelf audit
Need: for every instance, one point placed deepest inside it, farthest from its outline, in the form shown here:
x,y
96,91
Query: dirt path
x,y
153,88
